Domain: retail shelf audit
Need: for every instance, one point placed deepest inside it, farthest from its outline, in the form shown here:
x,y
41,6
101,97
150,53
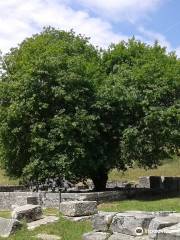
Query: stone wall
x,y
7,199
47,199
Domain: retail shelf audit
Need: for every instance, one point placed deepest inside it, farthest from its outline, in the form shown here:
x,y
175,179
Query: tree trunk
x,y
100,180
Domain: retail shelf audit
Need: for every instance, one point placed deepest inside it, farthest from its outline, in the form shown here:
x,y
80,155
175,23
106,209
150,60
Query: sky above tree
x,y
104,21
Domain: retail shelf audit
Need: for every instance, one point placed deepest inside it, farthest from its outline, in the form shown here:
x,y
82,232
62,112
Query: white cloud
x,y
151,36
178,51
19,19
119,10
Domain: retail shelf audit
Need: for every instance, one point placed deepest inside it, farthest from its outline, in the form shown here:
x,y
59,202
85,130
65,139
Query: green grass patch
x,y
63,228
172,204
5,214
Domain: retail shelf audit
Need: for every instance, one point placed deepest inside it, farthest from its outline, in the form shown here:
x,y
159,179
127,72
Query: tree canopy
x,y
68,109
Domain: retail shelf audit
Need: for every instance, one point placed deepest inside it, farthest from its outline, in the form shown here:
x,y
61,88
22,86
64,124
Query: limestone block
x,y
160,223
78,208
44,236
134,224
28,212
102,221
43,221
120,236
8,226
152,182
96,236
170,233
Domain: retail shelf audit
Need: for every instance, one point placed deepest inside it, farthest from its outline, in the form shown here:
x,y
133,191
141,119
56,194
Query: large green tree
x,y
69,110
47,93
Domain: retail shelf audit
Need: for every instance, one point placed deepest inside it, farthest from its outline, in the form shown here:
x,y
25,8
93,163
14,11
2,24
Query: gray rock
x,y
79,219
45,220
155,214
169,233
33,200
102,221
28,212
151,182
171,184
134,224
159,223
78,208
96,236
120,236
44,236
8,226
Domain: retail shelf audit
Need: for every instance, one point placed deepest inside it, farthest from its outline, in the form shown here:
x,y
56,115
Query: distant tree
x,y
69,110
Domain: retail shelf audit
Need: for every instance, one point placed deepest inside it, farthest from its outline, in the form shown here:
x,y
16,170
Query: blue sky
x,y
104,21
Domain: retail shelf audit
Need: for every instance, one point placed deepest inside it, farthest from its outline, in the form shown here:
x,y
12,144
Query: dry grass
x,y
5,180
169,168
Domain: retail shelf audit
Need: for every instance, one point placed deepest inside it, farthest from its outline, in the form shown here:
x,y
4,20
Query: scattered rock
x,y
78,208
44,236
160,223
102,221
120,236
170,233
151,182
79,219
28,212
134,224
8,226
33,200
96,236
43,221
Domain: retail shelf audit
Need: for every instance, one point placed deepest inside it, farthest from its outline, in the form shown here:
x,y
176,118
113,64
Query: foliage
x,y
144,89
46,95
69,110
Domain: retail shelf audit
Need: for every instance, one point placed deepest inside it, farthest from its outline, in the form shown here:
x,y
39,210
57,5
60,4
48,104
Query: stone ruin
x,y
30,213
135,226
129,225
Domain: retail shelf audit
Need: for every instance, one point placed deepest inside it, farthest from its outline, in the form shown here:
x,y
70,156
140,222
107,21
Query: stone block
x,y
33,200
44,236
159,223
120,236
134,224
96,236
43,221
79,219
78,208
102,221
170,233
8,226
27,212
171,184
151,182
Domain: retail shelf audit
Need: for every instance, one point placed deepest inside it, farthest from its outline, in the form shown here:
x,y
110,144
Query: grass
x,y
67,230
171,167
5,214
172,204
5,180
